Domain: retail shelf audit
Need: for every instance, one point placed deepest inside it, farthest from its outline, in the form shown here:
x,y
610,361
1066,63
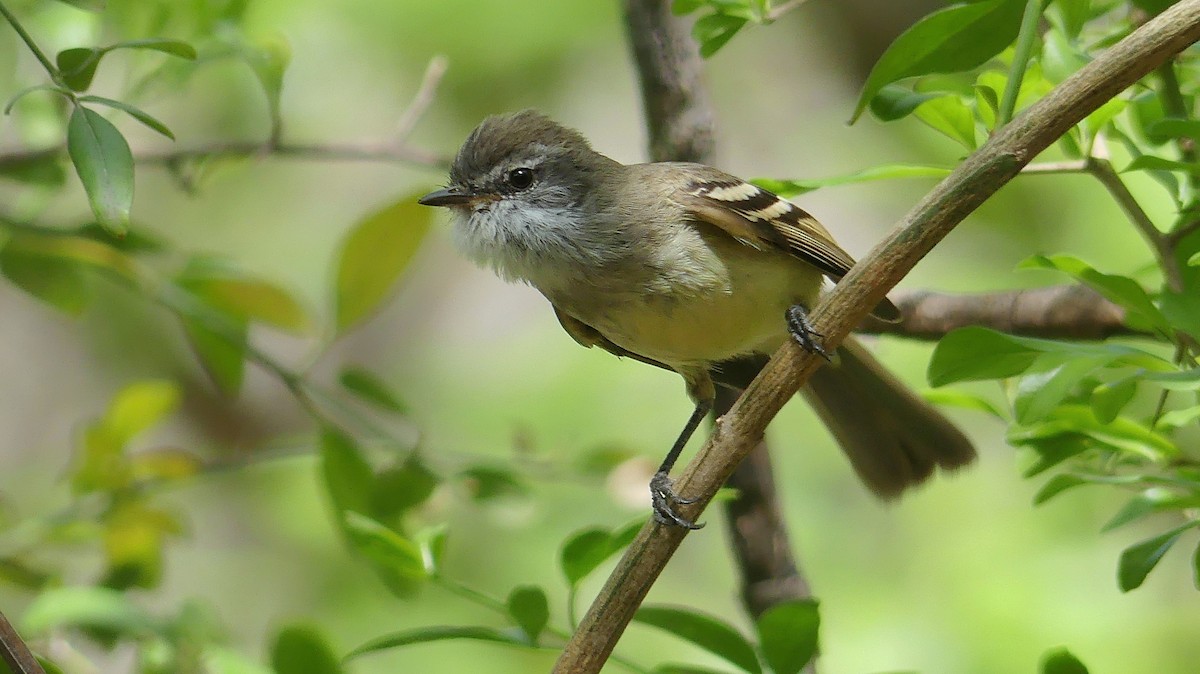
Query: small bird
x,y
687,268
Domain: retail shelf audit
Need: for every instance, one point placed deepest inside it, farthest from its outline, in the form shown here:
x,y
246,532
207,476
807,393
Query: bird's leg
x,y
802,331
662,493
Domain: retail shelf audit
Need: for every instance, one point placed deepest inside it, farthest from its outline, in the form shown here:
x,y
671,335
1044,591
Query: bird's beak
x,y
450,196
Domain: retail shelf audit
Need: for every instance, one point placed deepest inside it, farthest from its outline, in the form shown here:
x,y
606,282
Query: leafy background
x,y
963,576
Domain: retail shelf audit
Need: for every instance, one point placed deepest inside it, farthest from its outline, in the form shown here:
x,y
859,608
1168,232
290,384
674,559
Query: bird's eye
x,y
520,178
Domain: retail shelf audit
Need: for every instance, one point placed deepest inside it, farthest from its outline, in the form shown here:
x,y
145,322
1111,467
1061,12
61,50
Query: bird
x,y
690,269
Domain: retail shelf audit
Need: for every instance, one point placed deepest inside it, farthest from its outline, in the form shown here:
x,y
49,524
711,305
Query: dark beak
x,y
450,196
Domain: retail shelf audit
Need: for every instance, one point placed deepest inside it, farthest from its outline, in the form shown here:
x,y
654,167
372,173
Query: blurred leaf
x,y
130,242
432,542
707,632
86,607
222,355
89,5
135,112
34,168
787,634
35,248
1060,661
529,609
105,166
684,669
134,536
602,460
953,39
397,489
583,552
219,659
1119,289
348,474
423,635
248,299
384,547
1153,7
715,30
949,116
975,353
1109,399
1148,162
1149,501
302,649
1137,561
78,66
52,280
139,406
486,483
681,7
1182,310
1039,392
23,575
896,102
1177,418
789,188
368,386
1057,485
268,58
948,397
167,46
167,463
1168,128
1196,568
375,253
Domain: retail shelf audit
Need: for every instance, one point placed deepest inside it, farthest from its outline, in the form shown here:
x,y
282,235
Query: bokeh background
x,y
964,576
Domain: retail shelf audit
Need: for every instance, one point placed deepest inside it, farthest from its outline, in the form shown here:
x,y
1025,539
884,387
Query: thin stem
x,y
1024,49
423,98
780,10
28,39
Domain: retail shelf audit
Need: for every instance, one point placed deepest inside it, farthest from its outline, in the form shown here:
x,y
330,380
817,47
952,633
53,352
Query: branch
x,y
968,186
14,652
1056,312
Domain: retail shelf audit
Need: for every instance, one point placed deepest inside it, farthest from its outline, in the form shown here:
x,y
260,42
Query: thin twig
x,y
14,652
1024,49
959,194
32,45
424,97
780,10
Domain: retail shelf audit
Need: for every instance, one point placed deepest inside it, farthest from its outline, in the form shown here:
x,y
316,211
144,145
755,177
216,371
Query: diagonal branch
x,y
952,200
13,651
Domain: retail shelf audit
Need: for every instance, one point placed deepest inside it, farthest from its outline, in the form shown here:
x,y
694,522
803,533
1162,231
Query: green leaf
x,y
947,397
896,102
1078,422
681,7
787,634
1060,661
1163,130
583,552
397,489
1182,310
949,116
86,607
369,387
167,46
388,550
105,166
1153,7
135,112
789,188
268,59
1148,162
78,250
247,299
705,631
1149,501
348,475
55,281
1109,399
975,353
432,542
140,406
684,669
955,39
89,5
424,635
1039,392
715,30
1137,561
1057,485
1176,418
302,649
1119,289
222,355
78,66
1196,568
486,483
34,168
375,253
529,609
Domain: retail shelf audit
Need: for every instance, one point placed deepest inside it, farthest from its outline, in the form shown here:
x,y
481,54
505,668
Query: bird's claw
x,y
664,500
802,331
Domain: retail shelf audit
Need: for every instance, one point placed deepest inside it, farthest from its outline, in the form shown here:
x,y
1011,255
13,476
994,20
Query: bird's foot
x,y
802,331
664,500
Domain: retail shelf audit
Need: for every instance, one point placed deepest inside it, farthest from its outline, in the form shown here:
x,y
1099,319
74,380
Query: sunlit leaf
x,y
707,632
139,406
787,635
1137,561
949,397
247,298
529,609
104,164
374,255
384,547
715,30
302,649
953,39
85,606
134,536
951,117
165,463
1042,390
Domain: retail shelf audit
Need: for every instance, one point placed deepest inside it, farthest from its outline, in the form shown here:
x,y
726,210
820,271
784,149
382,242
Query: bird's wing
x,y
588,336
764,220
